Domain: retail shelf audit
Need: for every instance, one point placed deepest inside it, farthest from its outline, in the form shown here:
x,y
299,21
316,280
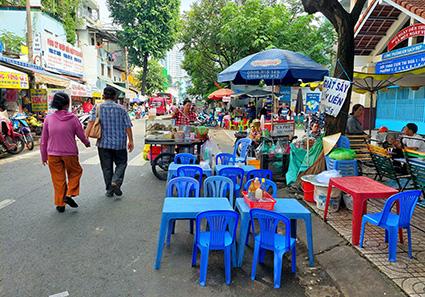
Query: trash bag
x,y
325,176
342,154
208,150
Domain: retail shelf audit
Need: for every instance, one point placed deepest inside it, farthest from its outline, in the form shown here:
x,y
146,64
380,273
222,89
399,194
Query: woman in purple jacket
x,y
59,150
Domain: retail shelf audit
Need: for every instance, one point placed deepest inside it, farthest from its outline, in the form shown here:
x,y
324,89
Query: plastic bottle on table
x,y
251,191
257,183
258,190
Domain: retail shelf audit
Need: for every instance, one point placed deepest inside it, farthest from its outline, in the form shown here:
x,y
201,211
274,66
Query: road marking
x,y
63,294
137,161
6,202
19,157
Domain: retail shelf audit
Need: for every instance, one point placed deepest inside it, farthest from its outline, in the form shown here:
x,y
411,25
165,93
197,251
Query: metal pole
x,y
29,31
126,67
370,113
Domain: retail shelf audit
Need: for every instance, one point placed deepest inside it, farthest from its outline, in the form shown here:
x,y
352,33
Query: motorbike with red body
x,y
10,141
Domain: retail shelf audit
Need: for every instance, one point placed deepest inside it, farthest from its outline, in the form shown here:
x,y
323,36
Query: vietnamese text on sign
x,y
335,91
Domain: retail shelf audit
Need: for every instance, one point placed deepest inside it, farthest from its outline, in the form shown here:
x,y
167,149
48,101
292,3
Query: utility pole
x,y
126,67
29,31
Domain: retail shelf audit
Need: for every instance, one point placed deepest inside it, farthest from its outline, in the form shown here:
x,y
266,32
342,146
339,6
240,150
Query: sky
x,y
105,17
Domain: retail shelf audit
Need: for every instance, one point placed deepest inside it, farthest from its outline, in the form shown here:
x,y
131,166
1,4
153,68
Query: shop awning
x,y
48,79
127,92
79,90
13,79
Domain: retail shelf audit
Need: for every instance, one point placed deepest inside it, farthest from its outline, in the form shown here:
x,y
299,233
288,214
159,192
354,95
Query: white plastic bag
x,y
325,176
208,150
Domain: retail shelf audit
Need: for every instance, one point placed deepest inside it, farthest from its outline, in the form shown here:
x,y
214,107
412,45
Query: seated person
x,y
255,131
411,140
354,127
394,148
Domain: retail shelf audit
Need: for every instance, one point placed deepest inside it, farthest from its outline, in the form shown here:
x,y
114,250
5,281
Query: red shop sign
x,y
411,31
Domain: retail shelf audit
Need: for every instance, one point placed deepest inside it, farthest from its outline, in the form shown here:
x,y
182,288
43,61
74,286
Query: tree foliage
x,y
217,33
148,28
155,79
344,23
12,42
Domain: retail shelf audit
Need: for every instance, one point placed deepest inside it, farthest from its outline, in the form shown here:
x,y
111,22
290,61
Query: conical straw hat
x,y
329,142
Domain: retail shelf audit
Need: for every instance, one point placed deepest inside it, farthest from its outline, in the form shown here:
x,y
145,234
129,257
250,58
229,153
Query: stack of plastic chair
x,y
185,158
181,187
224,159
241,149
195,172
391,222
236,174
260,173
219,234
269,239
219,186
345,167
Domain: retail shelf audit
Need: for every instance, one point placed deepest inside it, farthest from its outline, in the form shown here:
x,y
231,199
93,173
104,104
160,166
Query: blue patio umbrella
x,y
274,66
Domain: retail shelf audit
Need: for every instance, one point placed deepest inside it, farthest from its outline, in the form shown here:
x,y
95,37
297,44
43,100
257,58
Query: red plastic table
x,y
360,188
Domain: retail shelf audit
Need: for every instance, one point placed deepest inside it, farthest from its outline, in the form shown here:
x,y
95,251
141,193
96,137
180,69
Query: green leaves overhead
x,y
156,79
148,26
218,33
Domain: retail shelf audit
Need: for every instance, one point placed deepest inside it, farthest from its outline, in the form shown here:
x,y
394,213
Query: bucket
x,y
320,194
348,201
308,188
253,162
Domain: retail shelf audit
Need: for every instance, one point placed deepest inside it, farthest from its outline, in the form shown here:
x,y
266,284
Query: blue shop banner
x,y
406,51
401,64
285,94
312,102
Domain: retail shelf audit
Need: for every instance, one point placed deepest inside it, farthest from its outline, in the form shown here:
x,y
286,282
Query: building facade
x,y
389,39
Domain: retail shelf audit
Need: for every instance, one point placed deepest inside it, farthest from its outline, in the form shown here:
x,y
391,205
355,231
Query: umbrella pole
x,y
370,113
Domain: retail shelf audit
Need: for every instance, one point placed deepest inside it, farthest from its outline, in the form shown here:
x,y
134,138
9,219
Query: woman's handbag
x,y
96,130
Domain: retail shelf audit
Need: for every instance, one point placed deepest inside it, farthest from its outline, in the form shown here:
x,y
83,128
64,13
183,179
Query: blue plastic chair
x,y
191,171
185,158
268,185
391,222
241,149
260,173
269,239
181,187
225,159
345,167
236,174
343,142
219,186
221,226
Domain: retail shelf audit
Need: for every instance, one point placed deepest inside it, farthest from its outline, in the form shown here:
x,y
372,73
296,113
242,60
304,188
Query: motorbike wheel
x,y
29,142
214,124
20,145
160,165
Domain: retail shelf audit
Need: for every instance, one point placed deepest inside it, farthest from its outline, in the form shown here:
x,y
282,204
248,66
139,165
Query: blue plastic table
x,y
187,208
246,168
290,208
172,169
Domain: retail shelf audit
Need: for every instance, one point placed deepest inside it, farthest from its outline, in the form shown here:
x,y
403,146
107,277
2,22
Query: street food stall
x,y
163,140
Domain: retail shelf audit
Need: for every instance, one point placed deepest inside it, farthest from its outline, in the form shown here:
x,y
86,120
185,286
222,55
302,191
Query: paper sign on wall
x,y
335,91
38,99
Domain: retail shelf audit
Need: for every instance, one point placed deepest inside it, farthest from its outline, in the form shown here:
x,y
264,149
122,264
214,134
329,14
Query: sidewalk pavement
x,y
345,271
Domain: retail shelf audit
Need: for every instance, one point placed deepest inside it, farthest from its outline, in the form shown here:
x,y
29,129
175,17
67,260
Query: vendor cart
x,y
163,146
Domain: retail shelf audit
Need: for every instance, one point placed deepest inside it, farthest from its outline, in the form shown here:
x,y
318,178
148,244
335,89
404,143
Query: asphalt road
x,y
105,247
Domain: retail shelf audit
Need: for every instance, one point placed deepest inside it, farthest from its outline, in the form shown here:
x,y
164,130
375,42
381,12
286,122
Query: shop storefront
x,y
14,87
390,40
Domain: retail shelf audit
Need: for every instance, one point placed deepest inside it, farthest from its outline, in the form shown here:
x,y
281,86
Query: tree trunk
x,y
343,70
144,73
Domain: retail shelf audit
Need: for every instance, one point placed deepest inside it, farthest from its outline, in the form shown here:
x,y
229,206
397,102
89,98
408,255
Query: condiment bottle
x,y
251,191
258,191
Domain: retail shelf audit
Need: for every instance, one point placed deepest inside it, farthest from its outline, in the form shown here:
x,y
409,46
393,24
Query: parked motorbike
x,y
35,125
21,126
204,119
10,141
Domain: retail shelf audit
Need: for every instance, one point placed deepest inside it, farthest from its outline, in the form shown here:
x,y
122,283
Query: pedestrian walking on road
x,y
59,150
112,146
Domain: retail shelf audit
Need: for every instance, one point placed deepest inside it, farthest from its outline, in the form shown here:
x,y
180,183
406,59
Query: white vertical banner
x,y
334,93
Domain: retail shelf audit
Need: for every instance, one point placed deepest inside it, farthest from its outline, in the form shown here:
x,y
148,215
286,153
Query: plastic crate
x,y
268,205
